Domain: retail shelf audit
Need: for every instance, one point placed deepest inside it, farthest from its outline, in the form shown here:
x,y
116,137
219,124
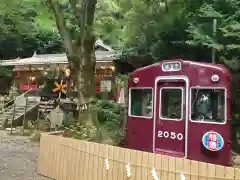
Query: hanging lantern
x,y
67,72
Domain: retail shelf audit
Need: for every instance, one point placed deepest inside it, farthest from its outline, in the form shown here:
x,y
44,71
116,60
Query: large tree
x,y
80,44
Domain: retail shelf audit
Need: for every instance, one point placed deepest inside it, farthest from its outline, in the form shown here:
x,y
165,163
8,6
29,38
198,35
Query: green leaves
x,y
199,36
26,26
179,29
207,11
227,39
110,118
231,29
4,72
142,27
233,63
171,29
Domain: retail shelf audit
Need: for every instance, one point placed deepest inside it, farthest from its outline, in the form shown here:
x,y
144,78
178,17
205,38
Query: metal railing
x,y
7,106
11,105
23,94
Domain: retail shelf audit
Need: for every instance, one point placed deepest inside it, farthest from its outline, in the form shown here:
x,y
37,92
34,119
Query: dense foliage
x,y
162,29
173,29
108,127
26,28
111,125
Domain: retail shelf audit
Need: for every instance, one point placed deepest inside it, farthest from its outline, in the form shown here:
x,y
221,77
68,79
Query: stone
x,y
56,117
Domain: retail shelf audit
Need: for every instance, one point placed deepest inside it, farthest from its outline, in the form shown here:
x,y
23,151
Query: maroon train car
x,y
182,109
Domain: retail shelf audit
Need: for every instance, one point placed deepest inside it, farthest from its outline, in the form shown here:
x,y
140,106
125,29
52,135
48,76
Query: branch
x,y
90,11
76,11
61,25
87,22
79,13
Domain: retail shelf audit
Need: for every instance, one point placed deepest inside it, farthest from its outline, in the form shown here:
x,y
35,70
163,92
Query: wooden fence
x,y
68,159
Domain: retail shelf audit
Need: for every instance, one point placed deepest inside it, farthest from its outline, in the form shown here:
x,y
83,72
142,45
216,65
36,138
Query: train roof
x,y
190,64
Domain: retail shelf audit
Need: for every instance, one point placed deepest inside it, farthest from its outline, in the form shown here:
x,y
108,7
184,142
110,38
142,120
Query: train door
x,y
170,121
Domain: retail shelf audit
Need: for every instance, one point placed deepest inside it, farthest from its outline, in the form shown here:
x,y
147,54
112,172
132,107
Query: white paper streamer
x,y
107,164
182,176
154,174
128,170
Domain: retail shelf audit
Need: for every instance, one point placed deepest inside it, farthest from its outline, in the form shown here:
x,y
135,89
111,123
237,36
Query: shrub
x,y
110,117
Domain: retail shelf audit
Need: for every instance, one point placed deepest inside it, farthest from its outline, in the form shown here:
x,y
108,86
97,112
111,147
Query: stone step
x,y
11,114
10,118
16,110
22,107
18,113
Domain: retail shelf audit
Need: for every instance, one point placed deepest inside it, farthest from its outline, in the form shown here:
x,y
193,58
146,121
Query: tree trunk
x,y
84,80
80,52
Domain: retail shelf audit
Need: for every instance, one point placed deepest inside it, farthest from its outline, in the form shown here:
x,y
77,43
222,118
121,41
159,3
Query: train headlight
x,y
171,66
215,78
136,80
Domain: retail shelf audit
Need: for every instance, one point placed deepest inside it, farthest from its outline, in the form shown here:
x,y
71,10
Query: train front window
x,y
208,105
141,102
171,107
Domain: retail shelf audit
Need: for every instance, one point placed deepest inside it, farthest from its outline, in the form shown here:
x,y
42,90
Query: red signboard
x,y
212,142
97,88
28,86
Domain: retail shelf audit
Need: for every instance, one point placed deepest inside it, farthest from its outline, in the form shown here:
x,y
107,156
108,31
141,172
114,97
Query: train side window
x,y
208,105
141,102
171,107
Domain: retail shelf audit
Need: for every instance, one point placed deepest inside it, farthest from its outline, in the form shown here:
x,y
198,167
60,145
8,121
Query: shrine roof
x,y
101,56
106,55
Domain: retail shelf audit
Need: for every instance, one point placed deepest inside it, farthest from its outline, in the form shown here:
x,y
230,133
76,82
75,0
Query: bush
x,y
110,117
108,128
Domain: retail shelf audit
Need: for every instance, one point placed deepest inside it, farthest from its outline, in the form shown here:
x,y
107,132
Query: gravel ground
x,y
18,158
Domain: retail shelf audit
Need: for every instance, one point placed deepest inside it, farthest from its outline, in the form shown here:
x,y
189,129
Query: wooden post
x,y
24,118
37,123
59,88
59,98
13,117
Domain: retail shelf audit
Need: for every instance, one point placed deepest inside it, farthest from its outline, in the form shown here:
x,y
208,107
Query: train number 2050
x,y
172,135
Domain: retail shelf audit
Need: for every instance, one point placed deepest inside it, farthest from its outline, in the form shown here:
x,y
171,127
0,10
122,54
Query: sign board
x,y
105,86
28,86
60,87
213,141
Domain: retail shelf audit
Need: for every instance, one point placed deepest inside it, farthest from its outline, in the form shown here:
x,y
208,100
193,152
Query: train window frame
x,y
160,104
225,105
130,104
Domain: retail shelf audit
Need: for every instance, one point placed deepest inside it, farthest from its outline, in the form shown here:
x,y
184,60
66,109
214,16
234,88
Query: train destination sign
x,y
213,141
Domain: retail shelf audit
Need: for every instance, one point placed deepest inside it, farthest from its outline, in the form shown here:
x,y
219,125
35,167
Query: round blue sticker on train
x,y
212,141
